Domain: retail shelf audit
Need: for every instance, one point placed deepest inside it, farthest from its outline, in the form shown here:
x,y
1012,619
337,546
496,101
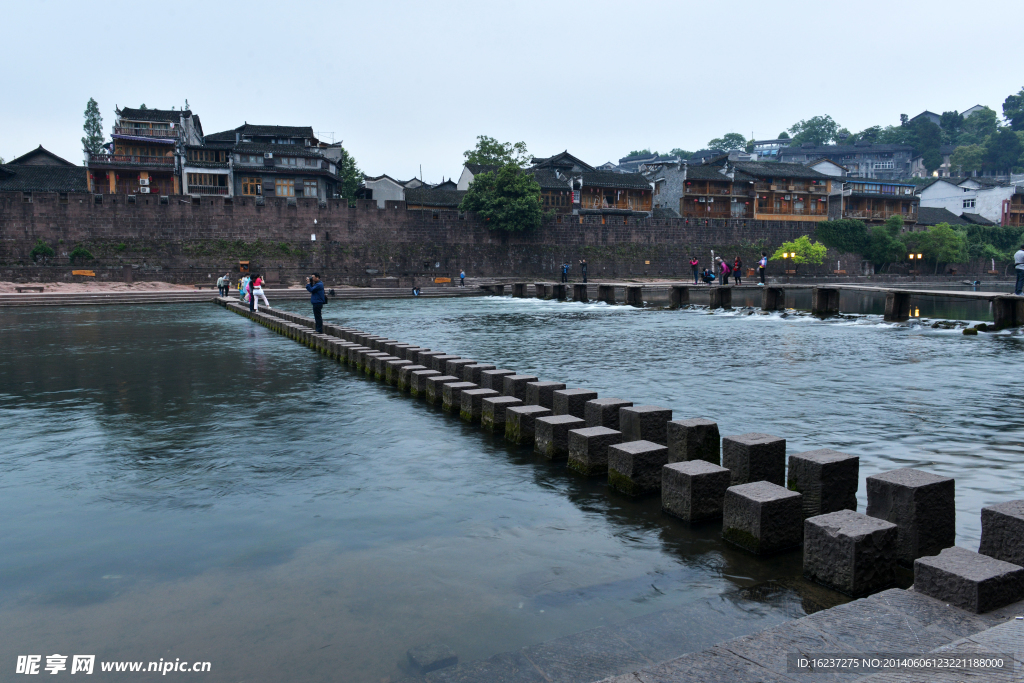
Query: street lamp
x,y
786,255
918,257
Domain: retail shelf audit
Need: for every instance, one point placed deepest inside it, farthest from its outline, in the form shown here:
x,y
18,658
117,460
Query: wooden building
x,y
875,201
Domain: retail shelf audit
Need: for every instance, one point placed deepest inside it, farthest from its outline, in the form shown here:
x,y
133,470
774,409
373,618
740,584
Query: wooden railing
x,y
816,210
146,132
207,189
879,215
131,159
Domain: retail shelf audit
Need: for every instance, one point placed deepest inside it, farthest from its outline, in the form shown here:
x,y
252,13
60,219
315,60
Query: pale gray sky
x,y
410,83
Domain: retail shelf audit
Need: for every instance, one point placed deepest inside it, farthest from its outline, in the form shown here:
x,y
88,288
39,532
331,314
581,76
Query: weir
x,y
643,452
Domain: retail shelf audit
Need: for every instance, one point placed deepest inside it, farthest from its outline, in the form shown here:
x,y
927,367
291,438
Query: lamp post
x,y
786,255
912,258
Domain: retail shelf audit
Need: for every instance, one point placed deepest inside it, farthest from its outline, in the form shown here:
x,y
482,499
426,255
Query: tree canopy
x,y
93,127
641,152
681,153
349,174
490,152
507,199
806,251
821,130
728,141
1013,110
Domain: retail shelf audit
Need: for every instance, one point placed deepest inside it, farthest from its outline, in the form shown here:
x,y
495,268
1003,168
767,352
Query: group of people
x,y
726,269
566,267
250,289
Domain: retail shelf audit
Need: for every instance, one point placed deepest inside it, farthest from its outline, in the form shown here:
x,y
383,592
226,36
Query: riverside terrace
x,y
963,603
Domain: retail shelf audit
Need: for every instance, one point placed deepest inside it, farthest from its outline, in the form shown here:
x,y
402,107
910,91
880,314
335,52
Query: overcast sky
x,y
411,83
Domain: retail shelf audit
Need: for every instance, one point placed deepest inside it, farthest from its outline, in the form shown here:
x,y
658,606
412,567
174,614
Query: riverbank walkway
x,y
966,603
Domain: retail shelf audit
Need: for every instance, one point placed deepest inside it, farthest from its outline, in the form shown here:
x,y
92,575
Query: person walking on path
x,y
725,271
243,288
257,293
462,278
694,266
762,266
583,267
252,297
1018,265
565,272
737,270
318,298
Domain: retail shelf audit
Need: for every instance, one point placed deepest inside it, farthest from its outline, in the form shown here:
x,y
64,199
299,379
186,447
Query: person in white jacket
x,y
1018,265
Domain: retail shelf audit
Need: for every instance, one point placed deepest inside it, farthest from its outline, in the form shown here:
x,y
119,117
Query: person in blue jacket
x,y
318,298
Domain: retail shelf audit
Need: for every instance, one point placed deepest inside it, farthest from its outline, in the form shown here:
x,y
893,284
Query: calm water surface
x,y
177,482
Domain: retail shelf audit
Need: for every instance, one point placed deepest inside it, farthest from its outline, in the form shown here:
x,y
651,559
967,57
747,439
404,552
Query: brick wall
x,y
187,240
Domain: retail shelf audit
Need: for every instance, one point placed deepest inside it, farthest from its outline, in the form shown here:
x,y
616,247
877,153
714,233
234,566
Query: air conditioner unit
x,y
268,155
144,190
143,181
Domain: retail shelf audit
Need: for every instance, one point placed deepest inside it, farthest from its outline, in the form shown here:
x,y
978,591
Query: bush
x,y
847,236
41,249
80,253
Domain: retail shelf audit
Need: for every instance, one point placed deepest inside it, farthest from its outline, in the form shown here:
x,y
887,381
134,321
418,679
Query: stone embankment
x,y
768,500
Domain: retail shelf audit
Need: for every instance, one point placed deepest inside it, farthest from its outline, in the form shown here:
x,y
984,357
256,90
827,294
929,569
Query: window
x,y
252,186
286,161
284,187
969,203
208,179
884,165
312,162
308,188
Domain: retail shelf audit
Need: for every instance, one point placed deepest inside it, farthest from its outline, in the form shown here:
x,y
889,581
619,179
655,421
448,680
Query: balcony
x,y
864,214
817,209
207,189
142,132
131,159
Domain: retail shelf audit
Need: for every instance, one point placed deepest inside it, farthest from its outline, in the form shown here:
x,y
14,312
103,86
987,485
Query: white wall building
x,y
981,196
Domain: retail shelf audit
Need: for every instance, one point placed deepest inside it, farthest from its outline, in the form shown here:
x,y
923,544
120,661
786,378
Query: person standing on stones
x,y
222,285
1018,265
583,267
762,266
243,288
257,293
737,270
462,278
317,298
565,271
725,271
695,266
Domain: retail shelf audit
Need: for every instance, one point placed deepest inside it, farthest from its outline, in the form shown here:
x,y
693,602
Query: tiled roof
x,y
778,169
976,219
665,212
477,169
706,154
951,181
284,150
631,181
822,150
547,179
987,182
281,131
172,115
43,179
563,159
223,136
429,196
704,172
41,154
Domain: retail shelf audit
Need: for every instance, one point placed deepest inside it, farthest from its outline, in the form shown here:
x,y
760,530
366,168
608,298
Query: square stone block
x,y
418,381
473,403
440,362
352,354
645,423
471,373
850,552
920,504
604,412
426,357
451,395
572,402
405,376
694,490
380,365
492,411
435,387
539,393
827,479
381,344
551,435
519,422
494,379
634,467
427,658
762,517
454,367
370,358
515,385
390,347
411,353
392,368
755,457
1002,531
695,439
588,449
971,581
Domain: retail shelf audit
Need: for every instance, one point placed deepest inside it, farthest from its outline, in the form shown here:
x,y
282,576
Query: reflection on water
x,y
178,482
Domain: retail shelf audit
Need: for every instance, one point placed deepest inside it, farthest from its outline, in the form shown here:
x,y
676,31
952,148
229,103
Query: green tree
x,y
821,130
1002,150
940,244
41,250
349,175
1013,110
927,142
951,123
143,106
967,158
847,236
80,253
93,127
490,152
508,199
806,251
638,152
978,126
681,153
884,243
783,136
728,141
